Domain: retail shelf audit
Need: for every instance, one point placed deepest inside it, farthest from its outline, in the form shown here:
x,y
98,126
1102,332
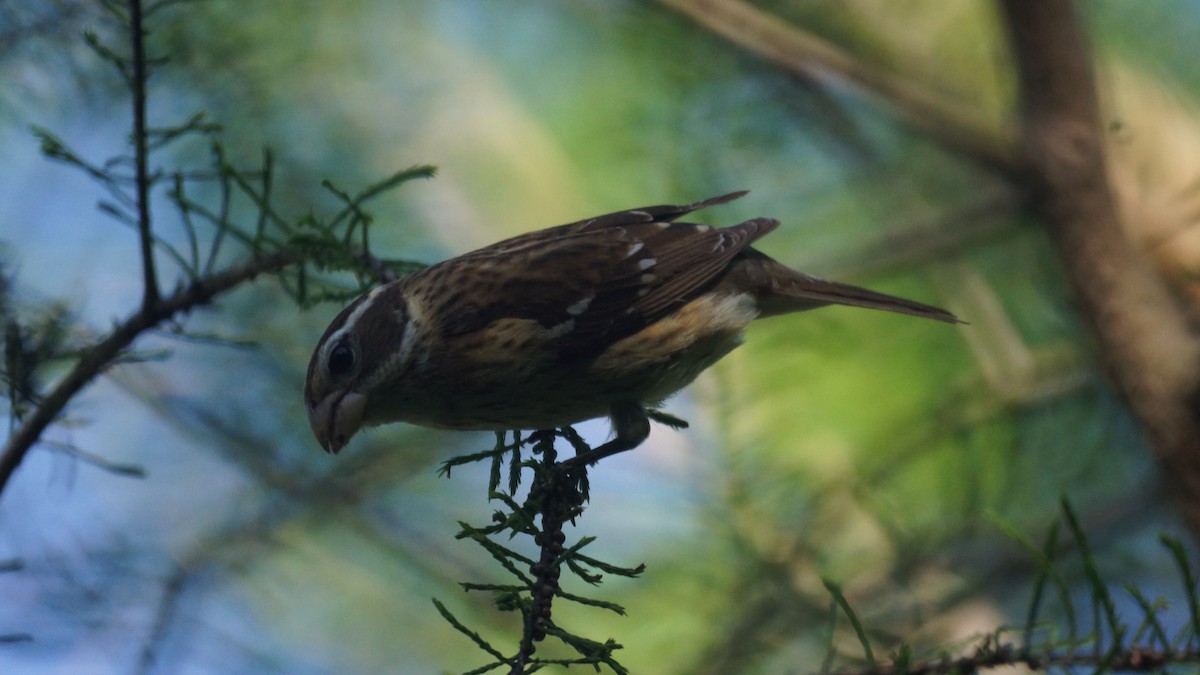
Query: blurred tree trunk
x,y
1146,335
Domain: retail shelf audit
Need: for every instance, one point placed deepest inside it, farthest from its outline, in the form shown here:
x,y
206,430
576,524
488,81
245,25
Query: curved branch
x,y
93,360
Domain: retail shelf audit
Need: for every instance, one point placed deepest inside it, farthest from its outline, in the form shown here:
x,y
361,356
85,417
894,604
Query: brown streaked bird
x,y
602,317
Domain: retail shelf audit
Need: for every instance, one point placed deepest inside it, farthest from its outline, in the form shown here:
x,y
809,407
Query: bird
x,y
604,317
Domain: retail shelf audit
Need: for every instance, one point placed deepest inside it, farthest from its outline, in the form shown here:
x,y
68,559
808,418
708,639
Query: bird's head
x,y
362,351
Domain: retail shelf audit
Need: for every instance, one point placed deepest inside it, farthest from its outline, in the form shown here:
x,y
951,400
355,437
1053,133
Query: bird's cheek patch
x,y
347,419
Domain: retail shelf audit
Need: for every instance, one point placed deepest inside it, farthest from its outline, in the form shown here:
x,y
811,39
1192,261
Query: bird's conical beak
x,y
336,418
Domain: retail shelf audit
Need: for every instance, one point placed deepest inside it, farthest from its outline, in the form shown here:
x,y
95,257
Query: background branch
x,y
1147,338
801,53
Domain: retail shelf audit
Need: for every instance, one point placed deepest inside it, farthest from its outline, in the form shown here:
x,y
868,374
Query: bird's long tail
x,y
781,290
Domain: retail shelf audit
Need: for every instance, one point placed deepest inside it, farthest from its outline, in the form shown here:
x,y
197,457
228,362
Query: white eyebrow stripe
x,y
351,320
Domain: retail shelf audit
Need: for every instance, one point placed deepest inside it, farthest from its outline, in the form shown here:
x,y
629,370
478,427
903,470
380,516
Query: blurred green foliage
x,y
847,445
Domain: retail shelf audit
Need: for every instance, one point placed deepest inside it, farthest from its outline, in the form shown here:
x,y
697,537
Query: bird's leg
x,y
630,425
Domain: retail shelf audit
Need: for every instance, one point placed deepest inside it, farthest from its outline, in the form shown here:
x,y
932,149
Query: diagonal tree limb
x,y
93,360
1147,338
956,127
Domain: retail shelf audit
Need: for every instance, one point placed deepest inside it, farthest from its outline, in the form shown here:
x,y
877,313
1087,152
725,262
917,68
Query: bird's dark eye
x,y
341,359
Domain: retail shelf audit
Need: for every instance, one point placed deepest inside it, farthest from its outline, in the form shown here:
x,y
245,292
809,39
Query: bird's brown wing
x,y
663,213
595,281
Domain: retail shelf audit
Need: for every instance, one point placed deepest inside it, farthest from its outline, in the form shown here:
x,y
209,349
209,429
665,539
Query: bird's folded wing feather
x,y
601,279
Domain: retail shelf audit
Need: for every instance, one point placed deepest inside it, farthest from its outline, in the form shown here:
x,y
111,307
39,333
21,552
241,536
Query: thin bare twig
x,y
167,606
141,153
103,463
